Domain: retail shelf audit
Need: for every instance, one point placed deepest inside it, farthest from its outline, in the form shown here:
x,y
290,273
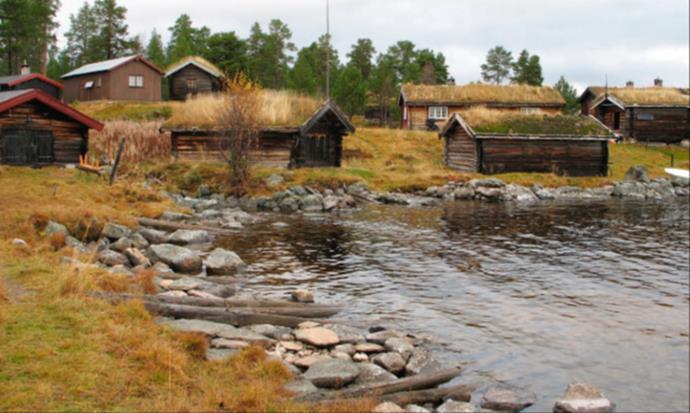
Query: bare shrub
x,y
143,141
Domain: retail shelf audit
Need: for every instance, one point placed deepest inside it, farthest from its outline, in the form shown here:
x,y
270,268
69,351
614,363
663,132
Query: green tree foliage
x,y
111,38
58,63
228,52
361,57
80,48
155,52
383,86
527,70
350,90
499,62
269,57
26,33
309,72
572,106
186,40
434,69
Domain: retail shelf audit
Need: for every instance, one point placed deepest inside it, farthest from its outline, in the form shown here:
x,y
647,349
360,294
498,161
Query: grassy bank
x,y
62,349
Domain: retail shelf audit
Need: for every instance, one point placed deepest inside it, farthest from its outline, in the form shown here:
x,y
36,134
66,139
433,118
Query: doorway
x,y
26,146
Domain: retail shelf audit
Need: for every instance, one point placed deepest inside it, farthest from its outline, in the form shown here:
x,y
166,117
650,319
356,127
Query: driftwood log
x,y
417,382
174,226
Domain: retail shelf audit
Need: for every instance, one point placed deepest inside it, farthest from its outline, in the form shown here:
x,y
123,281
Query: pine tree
x,y
269,57
361,57
499,61
350,90
80,36
228,52
572,106
111,40
434,69
154,50
186,40
527,70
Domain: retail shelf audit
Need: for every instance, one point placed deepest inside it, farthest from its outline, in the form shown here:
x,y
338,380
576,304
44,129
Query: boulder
x,y
340,355
332,374
137,258
331,202
115,231
245,334
630,190
358,189
74,243
317,336
415,408
112,258
519,193
583,398
637,173
186,236
308,361
388,407
154,236
121,245
182,284
292,345
487,183
176,294
369,348
179,259
464,192
347,334
223,262
271,331
392,362
419,360
302,296
54,227
300,387
298,190
138,241
311,203
230,344
174,216
451,406
507,398
289,204
400,345
490,193
209,328
372,373
308,324
542,193
380,337
346,348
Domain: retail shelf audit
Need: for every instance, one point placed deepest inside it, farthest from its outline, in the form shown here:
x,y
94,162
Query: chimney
x,y
658,82
629,83
451,81
25,69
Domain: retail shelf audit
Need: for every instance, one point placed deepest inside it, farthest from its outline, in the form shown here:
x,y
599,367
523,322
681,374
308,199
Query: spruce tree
x,y
498,64
154,50
572,106
527,70
80,36
350,90
361,57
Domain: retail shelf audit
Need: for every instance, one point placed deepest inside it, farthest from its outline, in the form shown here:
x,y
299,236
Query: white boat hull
x,y
678,173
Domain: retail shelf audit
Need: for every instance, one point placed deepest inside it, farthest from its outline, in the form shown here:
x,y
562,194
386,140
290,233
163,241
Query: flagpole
x,y
328,51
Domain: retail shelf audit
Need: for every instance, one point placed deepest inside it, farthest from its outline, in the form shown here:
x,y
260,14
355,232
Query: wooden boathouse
x,y
646,114
565,145
37,129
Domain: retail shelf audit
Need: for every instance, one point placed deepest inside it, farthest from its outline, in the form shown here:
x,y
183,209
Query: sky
x,y
586,41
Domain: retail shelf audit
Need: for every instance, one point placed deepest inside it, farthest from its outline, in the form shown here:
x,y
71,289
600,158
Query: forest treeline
x,y
365,78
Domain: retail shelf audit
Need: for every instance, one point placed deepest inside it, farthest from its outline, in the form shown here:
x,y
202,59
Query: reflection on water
x,y
533,295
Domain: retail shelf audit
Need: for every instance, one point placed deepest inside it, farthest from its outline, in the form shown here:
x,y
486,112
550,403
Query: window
x,y
529,111
438,112
136,81
88,85
616,121
645,116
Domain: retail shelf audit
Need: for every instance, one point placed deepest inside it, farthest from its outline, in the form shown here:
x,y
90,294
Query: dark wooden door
x,y
25,146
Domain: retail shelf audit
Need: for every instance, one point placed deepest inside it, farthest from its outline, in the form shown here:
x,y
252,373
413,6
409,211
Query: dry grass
x,y
277,108
197,60
107,110
143,141
480,93
647,95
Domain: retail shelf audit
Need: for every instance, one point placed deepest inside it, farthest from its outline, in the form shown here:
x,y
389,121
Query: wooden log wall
x,y
205,83
668,125
320,151
460,151
570,157
69,136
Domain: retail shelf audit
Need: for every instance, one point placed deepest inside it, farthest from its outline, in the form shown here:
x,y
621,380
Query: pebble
x,y
292,345
308,361
451,406
360,357
18,242
369,348
317,336
346,348
308,324
392,362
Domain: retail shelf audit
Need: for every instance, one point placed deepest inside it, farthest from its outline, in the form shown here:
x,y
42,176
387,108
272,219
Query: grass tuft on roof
x,y
488,121
647,95
481,93
277,108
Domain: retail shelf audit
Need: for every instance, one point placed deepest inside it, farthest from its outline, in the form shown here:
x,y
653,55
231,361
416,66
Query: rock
x,y
302,296
369,348
298,190
301,387
392,362
271,331
115,231
186,236
371,373
203,204
112,258
380,337
174,216
346,348
308,324
203,294
388,407
154,236
357,189
121,245
420,360
200,326
18,242
392,198
308,361
507,398
317,336
486,183
331,202
121,270
400,345
289,204
54,227
519,193
176,294
637,173
230,344
490,193
137,258
347,334
179,259
223,262
203,191
451,406
311,203
74,243
341,356
333,374
583,398
138,241
219,354
292,345
274,180
162,268
182,284
245,334
462,193
633,190
237,215
360,357
415,408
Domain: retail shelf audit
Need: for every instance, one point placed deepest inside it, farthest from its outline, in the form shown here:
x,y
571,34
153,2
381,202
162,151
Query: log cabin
x,y
27,80
36,129
193,75
310,135
428,107
646,114
565,145
130,78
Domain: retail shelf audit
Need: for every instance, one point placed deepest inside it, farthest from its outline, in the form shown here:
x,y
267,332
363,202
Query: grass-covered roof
x,y
646,95
481,93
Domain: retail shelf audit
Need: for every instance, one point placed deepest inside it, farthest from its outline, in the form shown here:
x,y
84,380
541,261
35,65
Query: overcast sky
x,y
584,40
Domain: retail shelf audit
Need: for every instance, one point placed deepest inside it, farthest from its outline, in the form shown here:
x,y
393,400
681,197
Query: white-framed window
x,y
136,81
88,85
529,111
438,112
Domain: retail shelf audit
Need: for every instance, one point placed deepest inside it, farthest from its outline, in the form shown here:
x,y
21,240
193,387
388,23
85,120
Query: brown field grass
x,y
482,93
648,95
108,110
143,141
485,120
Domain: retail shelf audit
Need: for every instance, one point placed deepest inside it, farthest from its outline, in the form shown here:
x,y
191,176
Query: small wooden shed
x,y
31,81
37,129
317,142
646,114
193,75
583,152
126,78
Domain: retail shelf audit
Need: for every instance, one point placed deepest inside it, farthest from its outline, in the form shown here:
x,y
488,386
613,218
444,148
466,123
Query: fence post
x,y
117,161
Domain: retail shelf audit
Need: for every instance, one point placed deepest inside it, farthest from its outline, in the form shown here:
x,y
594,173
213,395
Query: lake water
x,y
534,295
